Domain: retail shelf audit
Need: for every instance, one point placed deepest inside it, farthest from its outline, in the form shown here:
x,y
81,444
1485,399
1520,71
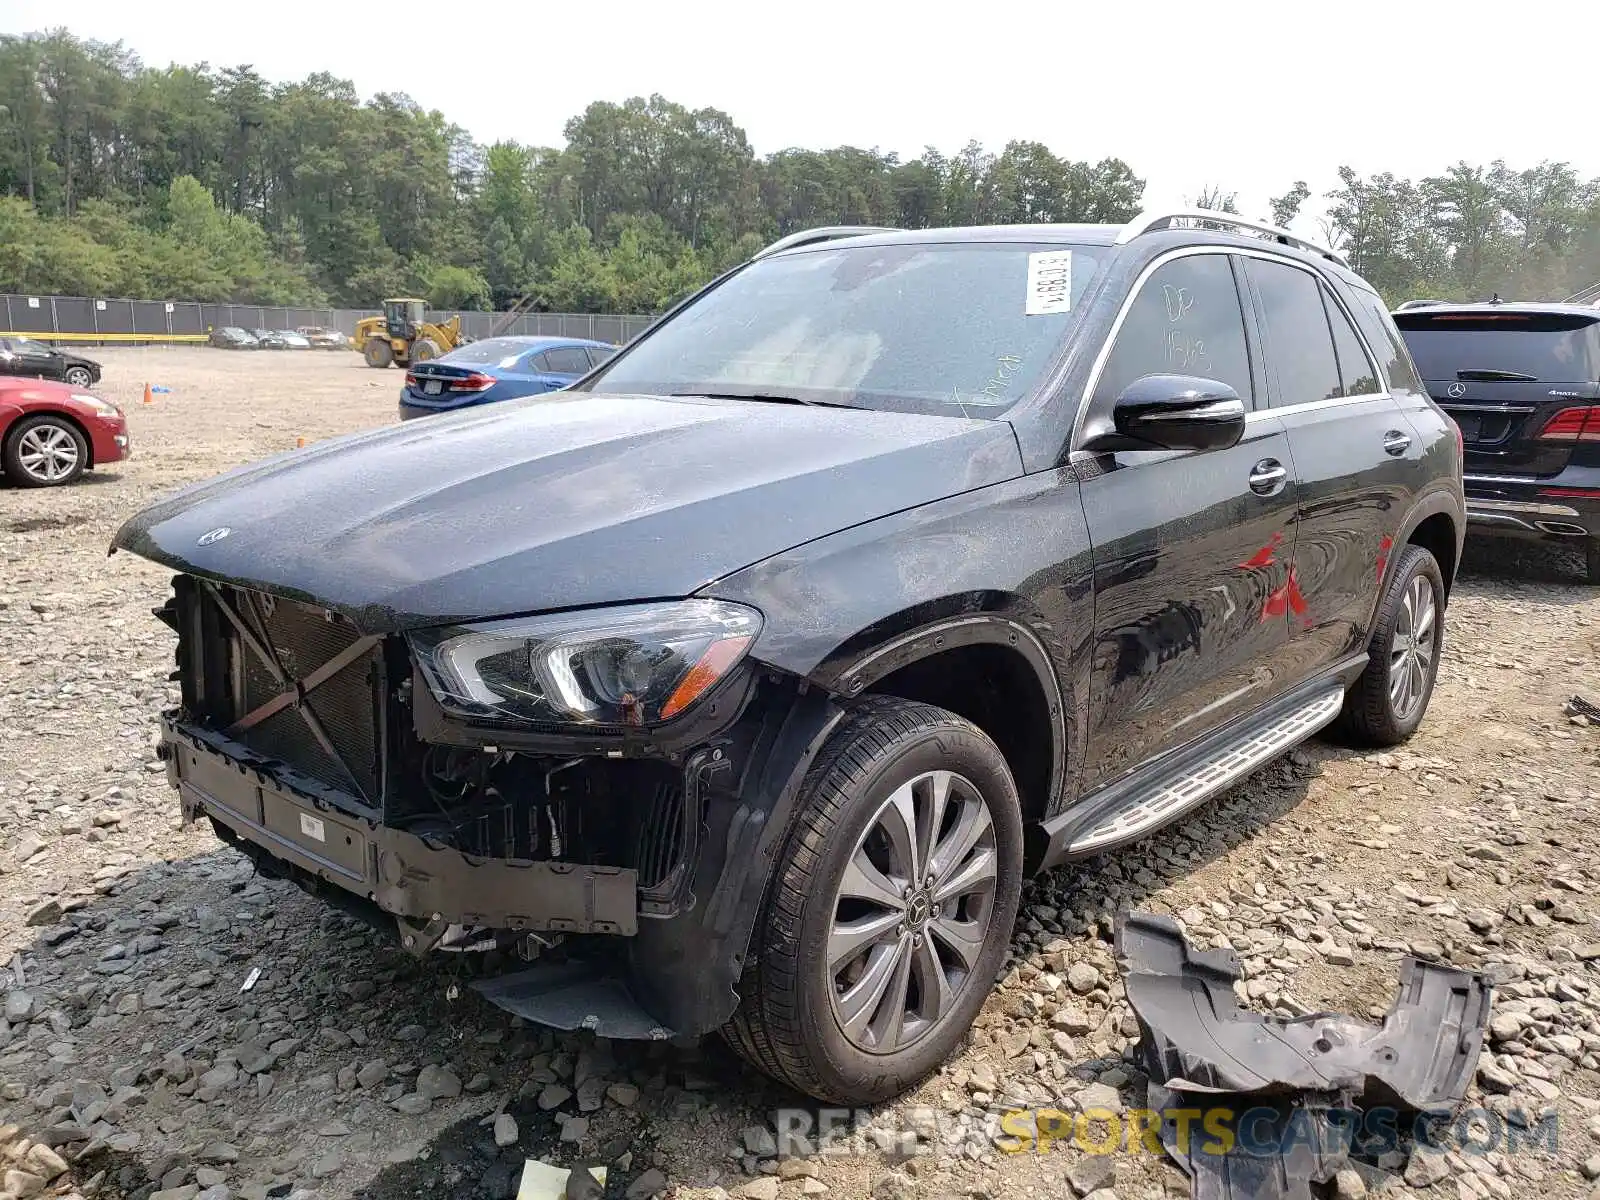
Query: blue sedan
x,y
501,368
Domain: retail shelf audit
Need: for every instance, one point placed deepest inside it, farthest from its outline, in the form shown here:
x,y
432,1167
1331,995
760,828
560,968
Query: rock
x,y
209,1177
759,1140
554,1096
812,1187
438,1083
372,1074
23,1184
1425,1168
505,1130
893,1186
1591,1167
1091,1173
647,1185
42,1161
624,1095
1505,1027
219,1152
30,845
187,1192
574,1129
1495,1078
765,1188
1082,978
19,1006
412,1105
1348,1185
217,1191
48,913
797,1168
1101,1096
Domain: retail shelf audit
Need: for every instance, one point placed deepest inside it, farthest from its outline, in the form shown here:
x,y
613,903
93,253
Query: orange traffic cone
x,y
299,443
148,399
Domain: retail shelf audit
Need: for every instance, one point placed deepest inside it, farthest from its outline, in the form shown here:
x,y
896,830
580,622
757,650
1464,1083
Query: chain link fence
x,y
89,319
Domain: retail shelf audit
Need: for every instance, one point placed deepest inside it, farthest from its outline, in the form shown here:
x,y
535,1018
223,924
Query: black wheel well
x,y
67,418
1437,535
995,688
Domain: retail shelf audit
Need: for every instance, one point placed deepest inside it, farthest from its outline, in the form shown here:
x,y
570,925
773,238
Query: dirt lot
x,y
347,1069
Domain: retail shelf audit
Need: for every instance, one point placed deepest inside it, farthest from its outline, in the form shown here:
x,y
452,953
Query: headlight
x,y
631,665
104,407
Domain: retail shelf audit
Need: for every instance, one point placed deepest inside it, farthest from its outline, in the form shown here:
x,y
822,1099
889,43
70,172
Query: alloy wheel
x,y
1412,648
78,377
48,453
911,913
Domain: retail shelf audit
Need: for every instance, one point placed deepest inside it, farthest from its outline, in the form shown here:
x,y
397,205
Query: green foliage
x,y
199,183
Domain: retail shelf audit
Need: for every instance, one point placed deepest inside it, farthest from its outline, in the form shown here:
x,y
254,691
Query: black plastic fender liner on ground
x,y
1197,1038
1286,1103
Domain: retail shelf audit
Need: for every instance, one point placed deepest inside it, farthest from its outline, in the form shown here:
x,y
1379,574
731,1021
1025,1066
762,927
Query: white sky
x,y
1249,97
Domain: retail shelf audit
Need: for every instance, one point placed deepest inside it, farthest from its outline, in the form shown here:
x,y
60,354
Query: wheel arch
x,y
1437,523
977,657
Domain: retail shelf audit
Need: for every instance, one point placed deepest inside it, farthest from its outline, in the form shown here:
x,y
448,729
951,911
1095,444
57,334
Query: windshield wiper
x,y
1485,376
767,398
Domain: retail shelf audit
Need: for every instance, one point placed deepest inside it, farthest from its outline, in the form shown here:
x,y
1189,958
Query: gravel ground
x,y
134,1061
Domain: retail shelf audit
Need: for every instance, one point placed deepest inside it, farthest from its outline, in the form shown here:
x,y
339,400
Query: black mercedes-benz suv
x,y
740,686
1523,382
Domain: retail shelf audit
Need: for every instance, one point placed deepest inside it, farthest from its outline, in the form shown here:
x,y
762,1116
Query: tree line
x,y
214,184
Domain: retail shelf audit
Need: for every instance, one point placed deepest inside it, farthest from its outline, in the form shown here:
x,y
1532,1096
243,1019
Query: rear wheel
x,y
423,349
378,352
44,451
1387,703
888,917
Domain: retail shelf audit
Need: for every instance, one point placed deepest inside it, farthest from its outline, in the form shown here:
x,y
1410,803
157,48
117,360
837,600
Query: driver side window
x,y
1186,320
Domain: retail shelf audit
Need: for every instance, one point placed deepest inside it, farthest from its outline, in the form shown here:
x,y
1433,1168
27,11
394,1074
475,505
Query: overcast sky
x,y
1248,97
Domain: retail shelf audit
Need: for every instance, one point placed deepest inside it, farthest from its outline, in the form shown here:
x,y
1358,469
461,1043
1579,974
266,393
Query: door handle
x,y
1396,443
1267,477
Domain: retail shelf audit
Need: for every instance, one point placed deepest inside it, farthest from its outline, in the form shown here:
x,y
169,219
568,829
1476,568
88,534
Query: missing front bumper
x,y
401,874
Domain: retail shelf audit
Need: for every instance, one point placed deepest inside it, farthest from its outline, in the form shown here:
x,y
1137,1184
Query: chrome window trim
x,y
1154,265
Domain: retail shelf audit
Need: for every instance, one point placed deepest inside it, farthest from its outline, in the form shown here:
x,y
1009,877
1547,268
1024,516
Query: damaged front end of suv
x,y
572,789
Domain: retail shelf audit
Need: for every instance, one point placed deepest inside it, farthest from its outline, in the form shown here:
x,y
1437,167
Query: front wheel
x,y
1386,704
891,907
424,349
78,377
378,353
44,451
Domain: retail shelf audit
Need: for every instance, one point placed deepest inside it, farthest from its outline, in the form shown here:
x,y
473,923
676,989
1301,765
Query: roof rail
x,y
826,233
1151,222
1584,295
1420,304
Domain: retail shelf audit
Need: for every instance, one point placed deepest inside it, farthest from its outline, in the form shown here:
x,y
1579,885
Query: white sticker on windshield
x,y
1049,283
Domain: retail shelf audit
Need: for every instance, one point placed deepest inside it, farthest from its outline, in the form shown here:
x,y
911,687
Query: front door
x,y
1355,456
1191,549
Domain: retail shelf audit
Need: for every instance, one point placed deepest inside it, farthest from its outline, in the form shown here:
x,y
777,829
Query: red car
x,y
50,433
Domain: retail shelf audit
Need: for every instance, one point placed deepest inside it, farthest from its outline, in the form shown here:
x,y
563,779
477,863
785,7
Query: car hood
x,y
558,502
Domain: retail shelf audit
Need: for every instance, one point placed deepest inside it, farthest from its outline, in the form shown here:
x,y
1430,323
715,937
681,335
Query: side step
x,y
1145,811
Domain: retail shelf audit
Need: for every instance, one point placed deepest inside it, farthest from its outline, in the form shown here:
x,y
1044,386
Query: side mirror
x,y
1173,412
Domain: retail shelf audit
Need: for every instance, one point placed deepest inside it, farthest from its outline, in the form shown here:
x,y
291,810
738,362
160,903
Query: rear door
x,y
567,363
1356,457
1506,377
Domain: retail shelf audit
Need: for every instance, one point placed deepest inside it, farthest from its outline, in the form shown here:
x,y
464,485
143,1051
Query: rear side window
x,y
599,354
1299,349
1186,320
1538,347
1355,368
567,360
1385,341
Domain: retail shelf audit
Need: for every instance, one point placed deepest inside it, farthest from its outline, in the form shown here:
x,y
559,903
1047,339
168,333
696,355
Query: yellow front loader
x,y
401,336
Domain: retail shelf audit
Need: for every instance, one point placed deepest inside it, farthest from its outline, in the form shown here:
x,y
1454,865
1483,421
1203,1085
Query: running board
x,y
1149,810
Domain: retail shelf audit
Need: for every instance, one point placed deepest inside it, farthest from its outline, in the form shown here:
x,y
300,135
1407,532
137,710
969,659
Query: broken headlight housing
x,y
633,665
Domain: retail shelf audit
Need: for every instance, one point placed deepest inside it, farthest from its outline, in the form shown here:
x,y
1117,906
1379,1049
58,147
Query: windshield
x,y
959,329
492,350
1548,348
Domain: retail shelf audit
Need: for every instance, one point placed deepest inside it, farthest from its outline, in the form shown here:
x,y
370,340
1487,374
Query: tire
x,y
423,349
1591,559
378,353
78,377
792,1023
1378,709
44,451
